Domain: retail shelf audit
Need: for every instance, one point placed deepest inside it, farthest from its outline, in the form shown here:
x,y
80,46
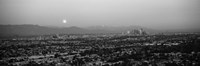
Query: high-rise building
x,y
128,32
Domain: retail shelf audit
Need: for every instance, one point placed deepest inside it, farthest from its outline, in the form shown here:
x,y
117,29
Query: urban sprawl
x,y
131,48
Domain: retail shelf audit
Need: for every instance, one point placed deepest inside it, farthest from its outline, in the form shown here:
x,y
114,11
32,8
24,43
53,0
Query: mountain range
x,y
26,30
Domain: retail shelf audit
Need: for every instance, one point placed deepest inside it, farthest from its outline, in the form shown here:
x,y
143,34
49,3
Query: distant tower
x,y
128,32
140,31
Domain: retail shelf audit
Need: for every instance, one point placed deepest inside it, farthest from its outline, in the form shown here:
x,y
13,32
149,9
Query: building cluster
x,y
136,32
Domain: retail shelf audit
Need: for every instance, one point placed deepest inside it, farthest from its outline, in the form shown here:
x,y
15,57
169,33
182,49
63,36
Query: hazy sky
x,y
158,14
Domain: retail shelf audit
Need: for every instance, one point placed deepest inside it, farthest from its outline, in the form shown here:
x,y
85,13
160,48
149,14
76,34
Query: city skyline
x,y
99,32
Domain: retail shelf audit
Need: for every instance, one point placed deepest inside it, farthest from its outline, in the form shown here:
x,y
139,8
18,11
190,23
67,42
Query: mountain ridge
x,y
28,29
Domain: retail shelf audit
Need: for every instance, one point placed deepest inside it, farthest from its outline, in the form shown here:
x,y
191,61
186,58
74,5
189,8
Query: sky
x,y
156,14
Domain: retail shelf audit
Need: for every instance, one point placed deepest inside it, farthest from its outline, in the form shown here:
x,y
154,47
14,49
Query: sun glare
x,y
64,21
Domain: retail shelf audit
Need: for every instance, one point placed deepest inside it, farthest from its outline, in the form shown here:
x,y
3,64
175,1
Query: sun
x,y
64,21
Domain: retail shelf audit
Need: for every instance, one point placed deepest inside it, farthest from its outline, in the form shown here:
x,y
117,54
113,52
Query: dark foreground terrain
x,y
101,50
